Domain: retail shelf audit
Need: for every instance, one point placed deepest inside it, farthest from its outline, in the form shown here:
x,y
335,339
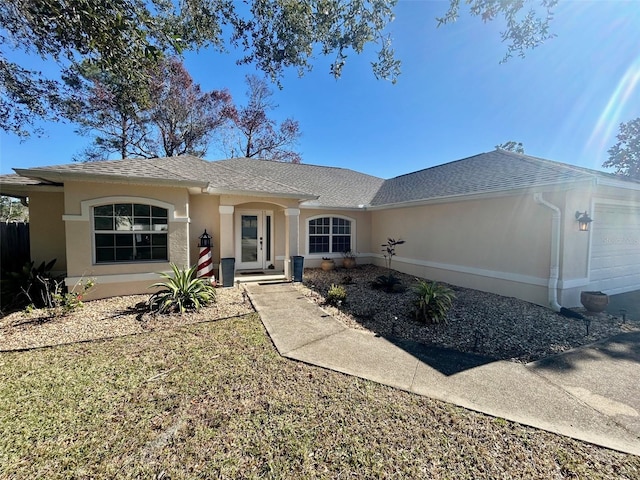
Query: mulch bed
x,y
108,318
478,322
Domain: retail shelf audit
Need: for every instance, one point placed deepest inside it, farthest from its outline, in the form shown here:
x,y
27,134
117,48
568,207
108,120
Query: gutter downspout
x,y
555,251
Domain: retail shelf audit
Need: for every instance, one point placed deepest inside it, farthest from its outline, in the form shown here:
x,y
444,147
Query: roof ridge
x,y
297,165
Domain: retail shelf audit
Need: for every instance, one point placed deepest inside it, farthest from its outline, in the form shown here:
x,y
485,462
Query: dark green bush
x,y
181,292
432,302
30,286
389,283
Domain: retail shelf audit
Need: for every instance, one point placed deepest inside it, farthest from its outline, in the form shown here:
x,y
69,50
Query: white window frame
x,y
332,216
86,215
132,231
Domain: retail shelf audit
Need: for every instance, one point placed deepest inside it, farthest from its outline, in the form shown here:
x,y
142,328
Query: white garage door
x,y
615,249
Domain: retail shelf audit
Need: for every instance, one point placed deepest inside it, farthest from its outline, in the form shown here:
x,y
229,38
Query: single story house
x,y
498,221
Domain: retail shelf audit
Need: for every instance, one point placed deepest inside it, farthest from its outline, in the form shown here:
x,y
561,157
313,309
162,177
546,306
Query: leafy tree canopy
x,y
624,156
526,27
12,210
120,37
253,134
166,116
511,146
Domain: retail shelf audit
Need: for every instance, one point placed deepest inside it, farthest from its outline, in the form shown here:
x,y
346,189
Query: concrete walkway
x,y
591,394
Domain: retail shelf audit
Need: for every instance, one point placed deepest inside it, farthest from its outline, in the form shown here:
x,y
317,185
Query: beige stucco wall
x,y
203,210
79,239
498,245
46,229
114,289
575,244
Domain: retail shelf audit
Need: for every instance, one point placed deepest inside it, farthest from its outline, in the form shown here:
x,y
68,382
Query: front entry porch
x,y
259,276
261,238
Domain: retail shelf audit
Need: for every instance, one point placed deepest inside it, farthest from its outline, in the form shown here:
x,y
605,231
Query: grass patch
x,y
216,400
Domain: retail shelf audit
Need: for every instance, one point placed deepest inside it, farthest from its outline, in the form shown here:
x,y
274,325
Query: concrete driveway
x,y
604,375
629,301
590,393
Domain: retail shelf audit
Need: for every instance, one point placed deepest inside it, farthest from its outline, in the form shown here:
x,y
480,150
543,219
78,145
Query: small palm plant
x,y
181,292
432,301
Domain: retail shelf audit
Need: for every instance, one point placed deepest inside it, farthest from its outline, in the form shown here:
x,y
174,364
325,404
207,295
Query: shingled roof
x,y
185,170
486,173
319,186
333,187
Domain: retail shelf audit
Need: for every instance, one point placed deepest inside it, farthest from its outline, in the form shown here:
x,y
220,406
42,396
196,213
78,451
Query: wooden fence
x,y
14,245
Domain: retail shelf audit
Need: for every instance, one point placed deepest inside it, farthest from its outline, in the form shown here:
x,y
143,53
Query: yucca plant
x,y
432,301
181,292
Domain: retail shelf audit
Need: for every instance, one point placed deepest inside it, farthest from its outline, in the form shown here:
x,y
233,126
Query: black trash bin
x,y
228,271
298,267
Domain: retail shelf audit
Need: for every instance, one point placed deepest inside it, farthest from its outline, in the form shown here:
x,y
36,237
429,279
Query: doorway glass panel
x,y
249,238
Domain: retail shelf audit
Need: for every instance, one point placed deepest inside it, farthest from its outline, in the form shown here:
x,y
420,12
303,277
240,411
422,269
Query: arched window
x,y
330,235
130,232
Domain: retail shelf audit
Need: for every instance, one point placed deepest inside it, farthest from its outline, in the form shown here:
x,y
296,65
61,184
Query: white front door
x,y
253,239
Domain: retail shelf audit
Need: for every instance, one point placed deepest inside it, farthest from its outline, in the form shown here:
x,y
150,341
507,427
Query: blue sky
x,y
564,101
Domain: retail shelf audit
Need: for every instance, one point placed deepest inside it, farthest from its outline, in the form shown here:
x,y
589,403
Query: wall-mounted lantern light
x,y
583,221
205,239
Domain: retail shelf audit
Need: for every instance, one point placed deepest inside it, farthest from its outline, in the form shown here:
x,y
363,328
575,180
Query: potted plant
x,y
348,259
327,264
594,301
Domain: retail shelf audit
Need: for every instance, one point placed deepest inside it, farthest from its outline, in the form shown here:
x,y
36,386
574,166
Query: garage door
x,y
615,249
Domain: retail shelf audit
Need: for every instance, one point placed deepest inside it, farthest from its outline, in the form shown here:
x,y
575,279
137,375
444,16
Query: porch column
x,y
292,237
227,249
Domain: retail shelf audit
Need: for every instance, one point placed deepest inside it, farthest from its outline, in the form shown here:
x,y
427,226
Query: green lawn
x,y
215,400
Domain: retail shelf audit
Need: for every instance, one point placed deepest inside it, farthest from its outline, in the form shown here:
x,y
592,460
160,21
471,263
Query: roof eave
x,y
253,193
24,190
334,207
613,182
481,195
61,177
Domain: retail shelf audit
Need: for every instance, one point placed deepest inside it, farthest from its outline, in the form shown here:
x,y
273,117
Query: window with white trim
x,y
130,232
329,235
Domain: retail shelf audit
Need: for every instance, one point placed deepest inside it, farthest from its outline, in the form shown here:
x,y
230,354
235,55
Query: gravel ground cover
x,y
107,318
479,322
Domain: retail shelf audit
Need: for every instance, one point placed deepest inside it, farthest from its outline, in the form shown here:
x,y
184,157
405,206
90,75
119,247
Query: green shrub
x,y
181,292
30,285
337,295
389,283
432,302
33,288
67,301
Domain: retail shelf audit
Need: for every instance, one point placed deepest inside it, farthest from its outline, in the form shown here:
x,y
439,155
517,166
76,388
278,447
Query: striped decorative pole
x,y
205,260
